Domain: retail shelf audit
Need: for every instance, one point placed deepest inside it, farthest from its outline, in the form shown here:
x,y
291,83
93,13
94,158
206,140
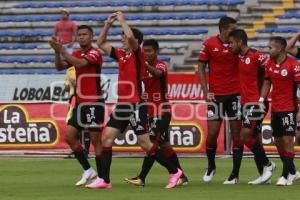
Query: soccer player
x,y
282,73
159,111
222,96
251,71
130,109
294,51
89,110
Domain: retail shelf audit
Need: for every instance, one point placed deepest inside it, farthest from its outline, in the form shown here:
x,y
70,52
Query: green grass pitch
x,y
52,179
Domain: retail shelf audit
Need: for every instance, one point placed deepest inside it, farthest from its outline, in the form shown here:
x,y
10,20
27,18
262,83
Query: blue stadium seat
x,y
289,16
279,30
46,18
127,3
45,59
113,32
18,45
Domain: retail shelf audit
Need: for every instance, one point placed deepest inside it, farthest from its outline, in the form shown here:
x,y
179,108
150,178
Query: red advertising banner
x,y
184,87
42,126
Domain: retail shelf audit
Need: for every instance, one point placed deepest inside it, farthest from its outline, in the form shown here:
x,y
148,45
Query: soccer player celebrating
x,y
251,70
222,96
130,109
88,112
158,111
282,72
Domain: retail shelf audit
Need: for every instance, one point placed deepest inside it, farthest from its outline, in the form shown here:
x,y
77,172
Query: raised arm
x,y
133,42
102,39
291,48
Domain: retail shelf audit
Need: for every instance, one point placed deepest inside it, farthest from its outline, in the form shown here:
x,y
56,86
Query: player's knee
x,y
107,140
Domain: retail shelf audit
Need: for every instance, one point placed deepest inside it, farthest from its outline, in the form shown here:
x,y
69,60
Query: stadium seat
x,y
45,59
54,18
113,32
127,3
279,30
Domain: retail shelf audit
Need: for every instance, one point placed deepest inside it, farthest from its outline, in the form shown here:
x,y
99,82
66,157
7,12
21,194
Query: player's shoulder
x,y
94,50
211,40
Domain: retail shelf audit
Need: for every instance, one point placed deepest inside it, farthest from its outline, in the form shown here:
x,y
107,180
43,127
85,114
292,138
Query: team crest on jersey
x,y
284,72
247,61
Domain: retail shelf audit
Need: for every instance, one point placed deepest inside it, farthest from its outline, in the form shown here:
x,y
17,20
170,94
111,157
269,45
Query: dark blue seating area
x,y
18,45
289,16
44,59
127,3
45,18
279,30
113,32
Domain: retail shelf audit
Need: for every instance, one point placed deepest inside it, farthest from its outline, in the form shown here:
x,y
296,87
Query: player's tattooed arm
x,y
102,39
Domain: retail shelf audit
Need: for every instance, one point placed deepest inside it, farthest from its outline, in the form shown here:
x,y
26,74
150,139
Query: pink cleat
x,y
173,179
99,184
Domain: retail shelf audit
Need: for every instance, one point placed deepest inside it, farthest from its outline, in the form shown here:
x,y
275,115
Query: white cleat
x,y
259,181
87,175
268,172
282,181
231,182
209,174
271,168
292,177
297,177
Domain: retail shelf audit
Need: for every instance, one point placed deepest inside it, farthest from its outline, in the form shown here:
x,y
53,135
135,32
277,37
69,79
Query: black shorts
x,y
283,123
159,128
229,104
89,116
134,114
253,117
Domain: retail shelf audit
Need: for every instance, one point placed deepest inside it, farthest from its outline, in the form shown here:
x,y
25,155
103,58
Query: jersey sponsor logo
x,y
215,49
184,137
284,72
17,129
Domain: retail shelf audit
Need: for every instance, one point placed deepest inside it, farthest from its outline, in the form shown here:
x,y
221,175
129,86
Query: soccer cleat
x,y
173,179
231,182
271,167
292,177
282,181
183,181
209,174
297,177
135,181
259,181
99,183
268,172
87,175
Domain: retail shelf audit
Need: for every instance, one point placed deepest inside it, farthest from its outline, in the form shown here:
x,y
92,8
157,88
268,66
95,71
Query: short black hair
x,y
279,40
151,42
85,27
138,35
239,34
225,22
